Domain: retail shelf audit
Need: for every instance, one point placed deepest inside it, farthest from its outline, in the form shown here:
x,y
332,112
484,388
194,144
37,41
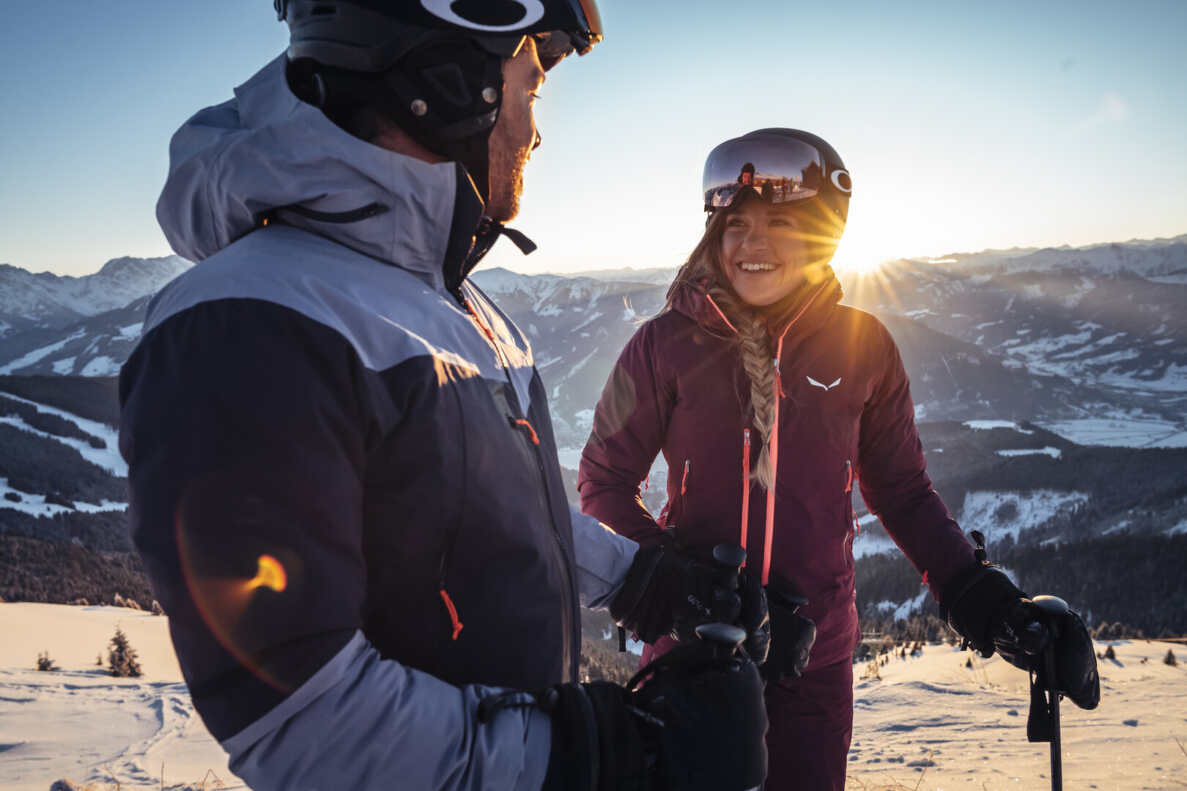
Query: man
x,y
344,482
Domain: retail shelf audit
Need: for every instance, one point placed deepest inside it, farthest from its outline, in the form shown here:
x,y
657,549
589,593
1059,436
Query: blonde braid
x,y
759,364
703,270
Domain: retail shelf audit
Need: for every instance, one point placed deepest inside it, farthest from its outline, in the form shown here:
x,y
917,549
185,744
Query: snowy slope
x,y
94,346
928,723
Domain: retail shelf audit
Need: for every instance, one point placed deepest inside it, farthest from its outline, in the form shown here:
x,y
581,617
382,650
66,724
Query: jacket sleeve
x,y
894,481
246,427
630,422
603,558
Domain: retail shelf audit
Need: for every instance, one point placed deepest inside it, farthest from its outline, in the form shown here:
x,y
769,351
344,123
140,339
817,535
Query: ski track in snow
x,y
107,457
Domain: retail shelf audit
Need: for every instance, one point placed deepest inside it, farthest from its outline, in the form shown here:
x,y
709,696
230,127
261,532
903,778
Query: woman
x,y
770,402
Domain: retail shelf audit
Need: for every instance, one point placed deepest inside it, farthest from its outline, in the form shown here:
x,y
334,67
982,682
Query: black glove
x,y
992,613
698,724
792,635
670,592
976,601
754,618
1024,634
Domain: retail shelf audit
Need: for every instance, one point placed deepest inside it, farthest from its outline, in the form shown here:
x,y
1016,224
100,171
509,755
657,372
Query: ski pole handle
x,y
728,560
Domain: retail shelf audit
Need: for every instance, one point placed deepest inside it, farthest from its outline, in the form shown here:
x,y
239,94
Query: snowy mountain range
x,y
1050,388
44,300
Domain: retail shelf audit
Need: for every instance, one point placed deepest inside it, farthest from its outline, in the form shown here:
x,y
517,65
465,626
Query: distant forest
x,y
1127,579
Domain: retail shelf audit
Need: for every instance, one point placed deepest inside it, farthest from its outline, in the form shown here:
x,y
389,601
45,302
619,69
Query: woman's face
x,y
764,252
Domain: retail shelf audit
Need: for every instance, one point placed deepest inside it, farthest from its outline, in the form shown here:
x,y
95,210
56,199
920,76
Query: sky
x,y
965,125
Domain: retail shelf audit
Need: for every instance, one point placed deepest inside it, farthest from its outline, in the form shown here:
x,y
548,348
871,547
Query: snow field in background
x,y
985,425
1044,451
998,514
107,457
35,504
1121,432
37,355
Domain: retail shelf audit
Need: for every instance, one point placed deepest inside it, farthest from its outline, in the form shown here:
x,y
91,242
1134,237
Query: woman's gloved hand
x,y
792,635
992,614
670,592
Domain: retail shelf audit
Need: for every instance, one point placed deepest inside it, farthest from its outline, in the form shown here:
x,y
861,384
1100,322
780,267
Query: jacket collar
x,y
265,152
808,308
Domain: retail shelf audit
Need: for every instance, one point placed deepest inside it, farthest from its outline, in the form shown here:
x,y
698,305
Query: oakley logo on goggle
x,y
841,181
533,11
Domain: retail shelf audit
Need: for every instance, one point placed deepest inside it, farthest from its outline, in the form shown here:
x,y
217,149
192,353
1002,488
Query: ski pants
x,y
811,724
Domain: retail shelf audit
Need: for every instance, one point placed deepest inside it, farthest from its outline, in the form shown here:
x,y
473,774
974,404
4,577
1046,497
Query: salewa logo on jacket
x,y
824,387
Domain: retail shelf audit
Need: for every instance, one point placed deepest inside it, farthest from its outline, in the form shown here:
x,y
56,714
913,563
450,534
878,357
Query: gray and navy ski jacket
x,y
345,487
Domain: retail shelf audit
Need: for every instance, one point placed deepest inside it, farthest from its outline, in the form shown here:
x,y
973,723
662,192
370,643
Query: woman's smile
x,y
763,252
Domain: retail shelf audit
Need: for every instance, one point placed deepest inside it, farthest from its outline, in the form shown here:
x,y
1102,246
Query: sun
x,y
856,255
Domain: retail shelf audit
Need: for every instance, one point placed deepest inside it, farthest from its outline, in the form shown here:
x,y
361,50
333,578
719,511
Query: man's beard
x,y
506,179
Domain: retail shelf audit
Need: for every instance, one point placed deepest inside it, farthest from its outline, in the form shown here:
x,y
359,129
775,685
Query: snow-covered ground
x,y
1122,432
81,724
928,723
932,723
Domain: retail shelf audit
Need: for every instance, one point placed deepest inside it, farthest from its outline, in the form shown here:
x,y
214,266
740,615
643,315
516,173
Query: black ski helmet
x,y
784,166
434,67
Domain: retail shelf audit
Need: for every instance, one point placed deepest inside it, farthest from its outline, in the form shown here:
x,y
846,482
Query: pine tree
x,y
121,656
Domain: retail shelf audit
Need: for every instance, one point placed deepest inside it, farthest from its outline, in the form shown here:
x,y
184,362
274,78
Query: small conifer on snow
x,y
121,656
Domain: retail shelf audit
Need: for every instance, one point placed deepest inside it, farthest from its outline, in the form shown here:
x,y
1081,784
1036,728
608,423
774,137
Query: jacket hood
x,y
265,149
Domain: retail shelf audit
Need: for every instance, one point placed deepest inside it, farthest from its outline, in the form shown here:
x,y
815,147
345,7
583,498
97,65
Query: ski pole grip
x,y
728,560
724,638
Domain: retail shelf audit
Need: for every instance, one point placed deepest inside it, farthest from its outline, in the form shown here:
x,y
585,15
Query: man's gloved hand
x,y
992,613
698,724
667,591
792,635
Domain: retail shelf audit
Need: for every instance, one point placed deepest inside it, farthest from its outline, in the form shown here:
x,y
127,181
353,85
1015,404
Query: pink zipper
x,y
774,447
745,487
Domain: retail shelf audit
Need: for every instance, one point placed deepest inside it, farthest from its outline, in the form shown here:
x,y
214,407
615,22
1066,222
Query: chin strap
x,y
518,238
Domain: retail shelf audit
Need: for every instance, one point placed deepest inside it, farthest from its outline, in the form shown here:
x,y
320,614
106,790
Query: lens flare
x,y
269,574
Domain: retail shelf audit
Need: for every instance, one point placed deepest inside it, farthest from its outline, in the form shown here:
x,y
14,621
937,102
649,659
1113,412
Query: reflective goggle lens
x,y
776,169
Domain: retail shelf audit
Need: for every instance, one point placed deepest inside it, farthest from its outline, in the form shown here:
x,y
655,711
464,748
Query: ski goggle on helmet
x,y
372,35
779,166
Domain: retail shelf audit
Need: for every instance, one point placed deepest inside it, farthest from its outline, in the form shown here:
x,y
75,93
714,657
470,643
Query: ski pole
x,y
1053,608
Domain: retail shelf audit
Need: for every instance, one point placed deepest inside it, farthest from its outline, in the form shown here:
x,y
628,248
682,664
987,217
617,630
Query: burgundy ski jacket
x,y
843,417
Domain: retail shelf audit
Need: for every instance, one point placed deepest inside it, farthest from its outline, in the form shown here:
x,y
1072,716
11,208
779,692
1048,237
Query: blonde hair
x,y
702,271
